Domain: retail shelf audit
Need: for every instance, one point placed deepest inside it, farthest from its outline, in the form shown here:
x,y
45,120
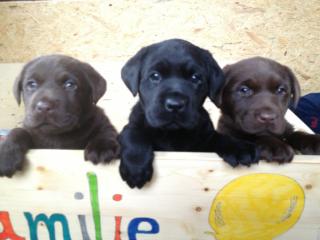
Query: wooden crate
x,y
191,196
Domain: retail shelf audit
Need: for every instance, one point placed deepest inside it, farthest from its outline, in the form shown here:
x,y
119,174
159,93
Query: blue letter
x,y
133,227
33,225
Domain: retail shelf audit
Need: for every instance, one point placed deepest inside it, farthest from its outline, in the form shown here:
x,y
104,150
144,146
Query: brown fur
x,y
253,102
60,95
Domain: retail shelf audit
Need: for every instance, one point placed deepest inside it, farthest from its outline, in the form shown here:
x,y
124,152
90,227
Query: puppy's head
x,y
257,94
172,78
58,92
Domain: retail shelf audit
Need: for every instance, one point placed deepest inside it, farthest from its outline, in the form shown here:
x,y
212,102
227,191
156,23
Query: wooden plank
x,y
189,198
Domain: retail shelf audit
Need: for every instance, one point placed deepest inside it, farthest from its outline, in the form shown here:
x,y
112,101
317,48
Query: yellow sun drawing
x,y
256,207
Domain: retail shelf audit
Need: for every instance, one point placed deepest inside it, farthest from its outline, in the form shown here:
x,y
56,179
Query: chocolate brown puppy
x,y
253,102
60,95
173,78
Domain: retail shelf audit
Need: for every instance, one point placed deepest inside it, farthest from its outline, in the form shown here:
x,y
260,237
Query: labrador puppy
x,y
253,101
60,95
172,79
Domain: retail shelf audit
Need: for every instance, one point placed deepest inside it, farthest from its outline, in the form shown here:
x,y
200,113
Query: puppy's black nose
x,y
175,104
266,117
44,106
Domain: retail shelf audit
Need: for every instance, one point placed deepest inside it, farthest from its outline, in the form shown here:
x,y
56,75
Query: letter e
x,y
133,228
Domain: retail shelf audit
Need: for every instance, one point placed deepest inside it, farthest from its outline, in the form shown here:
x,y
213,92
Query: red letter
x,y
8,232
118,228
117,234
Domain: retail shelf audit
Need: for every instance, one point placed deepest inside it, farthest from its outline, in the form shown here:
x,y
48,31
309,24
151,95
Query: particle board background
x,y
286,30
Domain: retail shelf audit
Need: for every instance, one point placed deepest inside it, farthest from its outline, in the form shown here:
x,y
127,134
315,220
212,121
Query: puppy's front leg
x,y
275,150
104,146
13,151
136,157
234,151
304,142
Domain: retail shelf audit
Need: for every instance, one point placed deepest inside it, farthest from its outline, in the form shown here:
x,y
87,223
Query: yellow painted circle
x,y
256,207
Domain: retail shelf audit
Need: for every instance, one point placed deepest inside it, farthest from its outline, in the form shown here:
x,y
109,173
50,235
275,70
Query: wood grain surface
x,y
179,199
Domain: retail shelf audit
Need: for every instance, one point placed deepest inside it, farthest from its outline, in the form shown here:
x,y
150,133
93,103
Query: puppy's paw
x,y
280,152
12,157
136,175
304,143
241,152
309,144
102,152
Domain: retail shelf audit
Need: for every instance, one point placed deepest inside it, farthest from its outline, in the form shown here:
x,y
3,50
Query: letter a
x,y
8,232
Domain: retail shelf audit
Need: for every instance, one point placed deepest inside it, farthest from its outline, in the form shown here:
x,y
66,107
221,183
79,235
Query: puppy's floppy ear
x,y
218,99
17,88
295,87
130,72
97,83
216,77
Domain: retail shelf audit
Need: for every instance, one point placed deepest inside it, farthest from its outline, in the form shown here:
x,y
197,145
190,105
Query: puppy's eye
x,y
281,90
245,91
70,85
155,77
31,85
196,78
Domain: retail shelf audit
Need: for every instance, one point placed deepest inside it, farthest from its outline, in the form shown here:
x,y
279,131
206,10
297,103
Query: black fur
x,y
173,78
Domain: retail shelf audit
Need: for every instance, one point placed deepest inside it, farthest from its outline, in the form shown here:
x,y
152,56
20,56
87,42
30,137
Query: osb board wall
x,y
286,30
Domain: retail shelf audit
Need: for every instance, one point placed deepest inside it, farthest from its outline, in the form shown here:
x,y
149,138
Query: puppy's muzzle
x,y
266,117
45,106
175,104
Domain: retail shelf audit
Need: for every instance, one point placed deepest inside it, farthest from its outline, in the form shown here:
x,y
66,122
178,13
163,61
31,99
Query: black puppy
x,y
60,95
173,78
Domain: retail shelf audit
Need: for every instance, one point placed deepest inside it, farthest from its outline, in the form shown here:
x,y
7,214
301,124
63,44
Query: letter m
x,y
49,222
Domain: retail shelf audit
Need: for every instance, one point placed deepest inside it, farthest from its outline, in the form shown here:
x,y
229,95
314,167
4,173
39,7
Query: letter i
x,y
82,218
117,198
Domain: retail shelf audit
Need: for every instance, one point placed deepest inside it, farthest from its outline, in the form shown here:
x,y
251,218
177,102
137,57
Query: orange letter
x,y
8,232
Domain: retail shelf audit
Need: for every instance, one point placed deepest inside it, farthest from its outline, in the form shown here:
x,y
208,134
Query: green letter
x,y
93,185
